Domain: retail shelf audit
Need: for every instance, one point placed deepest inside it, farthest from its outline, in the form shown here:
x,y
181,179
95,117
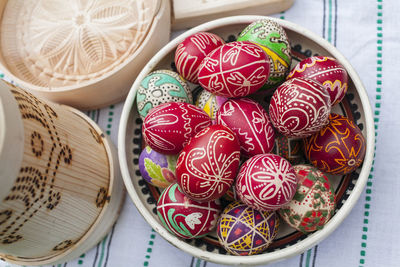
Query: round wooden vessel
x,y
84,54
61,190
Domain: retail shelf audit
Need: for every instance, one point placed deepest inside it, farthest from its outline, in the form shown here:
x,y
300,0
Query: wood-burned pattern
x,y
62,184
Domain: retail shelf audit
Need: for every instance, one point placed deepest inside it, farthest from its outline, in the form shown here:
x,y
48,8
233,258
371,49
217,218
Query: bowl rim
x,y
312,238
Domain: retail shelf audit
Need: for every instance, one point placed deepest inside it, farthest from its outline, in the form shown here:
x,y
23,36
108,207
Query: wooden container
x,y
60,186
85,54
191,13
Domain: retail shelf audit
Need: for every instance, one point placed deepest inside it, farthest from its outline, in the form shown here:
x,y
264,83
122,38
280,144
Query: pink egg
x,y
207,166
300,107
326,70
185,217
168,128
266,182
250,122
192,51
234,69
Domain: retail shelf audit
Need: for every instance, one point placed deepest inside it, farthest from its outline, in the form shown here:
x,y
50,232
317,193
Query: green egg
x,y
159,87
271,36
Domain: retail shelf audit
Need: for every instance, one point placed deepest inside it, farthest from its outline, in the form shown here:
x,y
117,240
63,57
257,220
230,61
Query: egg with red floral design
x,y
314,202
184,217
300,107
250,122
326,70
339,148
207,166
168,127
234,69
191,51
266,182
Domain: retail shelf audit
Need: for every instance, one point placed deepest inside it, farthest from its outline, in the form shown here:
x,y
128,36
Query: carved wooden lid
x,y
61,43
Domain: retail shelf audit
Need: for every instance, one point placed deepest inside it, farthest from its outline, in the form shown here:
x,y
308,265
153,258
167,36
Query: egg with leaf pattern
x,y
184,217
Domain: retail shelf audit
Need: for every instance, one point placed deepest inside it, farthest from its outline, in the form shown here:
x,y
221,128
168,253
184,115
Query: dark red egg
x,y
339,148
299,107
207,166
192,51
266,182
234,69
168,128
184,217
326,70
250,122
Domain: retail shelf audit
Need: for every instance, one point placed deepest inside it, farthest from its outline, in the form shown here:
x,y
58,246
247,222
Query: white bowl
x,y
289,242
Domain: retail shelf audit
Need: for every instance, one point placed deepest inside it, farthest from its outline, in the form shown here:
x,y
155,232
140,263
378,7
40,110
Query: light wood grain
x,y
91,56
67,184
189,13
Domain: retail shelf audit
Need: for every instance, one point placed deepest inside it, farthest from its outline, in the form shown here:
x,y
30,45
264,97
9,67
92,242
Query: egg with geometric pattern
x,y
210,103
314,202
243,230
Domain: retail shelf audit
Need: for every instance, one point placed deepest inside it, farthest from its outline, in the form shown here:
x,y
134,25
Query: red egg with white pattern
x,y
266,182
184,217
234,69
168,128
208,165
192,51
326,70
339,148
250,122
300,107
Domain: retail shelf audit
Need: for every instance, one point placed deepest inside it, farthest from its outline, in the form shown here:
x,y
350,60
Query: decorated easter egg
x,y
210,103
314,202
266,182
339,148
242,230
156,168
250,122
289,148
192,51
234,69
168,127
326,70
159,87
184,217
273,39
208,164
299,107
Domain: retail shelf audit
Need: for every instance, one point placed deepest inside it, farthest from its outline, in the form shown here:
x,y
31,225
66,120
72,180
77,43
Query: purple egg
x,y
156,168
243,230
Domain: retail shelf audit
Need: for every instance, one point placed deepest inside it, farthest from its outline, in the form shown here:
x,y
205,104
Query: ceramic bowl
x,y
82,54
288,242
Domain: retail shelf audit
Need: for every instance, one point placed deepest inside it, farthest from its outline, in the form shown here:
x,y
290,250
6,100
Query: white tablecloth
x,y
367,33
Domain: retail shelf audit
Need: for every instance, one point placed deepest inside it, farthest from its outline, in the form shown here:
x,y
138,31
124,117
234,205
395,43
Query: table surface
x,y
366,32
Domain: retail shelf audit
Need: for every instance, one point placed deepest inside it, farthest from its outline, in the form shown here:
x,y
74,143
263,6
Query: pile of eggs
x,y
227,145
